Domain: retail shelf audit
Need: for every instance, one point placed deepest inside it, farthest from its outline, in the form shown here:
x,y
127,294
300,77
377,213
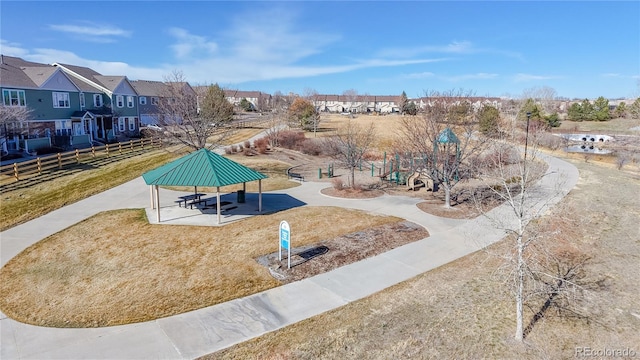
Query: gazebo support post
x,y
158,203
260,195
153,204
218,203
244,187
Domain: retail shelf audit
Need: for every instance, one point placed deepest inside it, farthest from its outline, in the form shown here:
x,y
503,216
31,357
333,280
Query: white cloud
x,y
188,44
268,47
421,75
531,77
611,75
477,76
12,49
92,32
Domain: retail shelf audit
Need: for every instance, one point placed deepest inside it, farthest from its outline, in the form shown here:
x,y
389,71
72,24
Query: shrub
x,y
290,139
262,145
247,144
228,150
234,148
370,155
311,147
337,183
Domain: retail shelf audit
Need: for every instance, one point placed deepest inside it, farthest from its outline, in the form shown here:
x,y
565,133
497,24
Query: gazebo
x,y
201,168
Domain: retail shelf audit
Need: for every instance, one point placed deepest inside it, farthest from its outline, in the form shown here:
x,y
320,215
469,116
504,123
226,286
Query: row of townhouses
x,y
75,106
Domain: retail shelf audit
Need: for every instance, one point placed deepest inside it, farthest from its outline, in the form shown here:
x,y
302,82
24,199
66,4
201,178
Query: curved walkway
x,y
203,331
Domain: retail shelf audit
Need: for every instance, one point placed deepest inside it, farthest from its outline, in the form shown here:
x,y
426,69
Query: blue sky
x,y
582,49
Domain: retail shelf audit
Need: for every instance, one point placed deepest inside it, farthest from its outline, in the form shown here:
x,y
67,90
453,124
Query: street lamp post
x,y
526,137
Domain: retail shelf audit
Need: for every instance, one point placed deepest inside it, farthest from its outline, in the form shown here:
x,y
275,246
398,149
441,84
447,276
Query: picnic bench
x,y
296,176
186,198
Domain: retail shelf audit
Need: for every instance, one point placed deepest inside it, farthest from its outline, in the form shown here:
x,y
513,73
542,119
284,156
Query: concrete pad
x,y
363,278
117,342
204,331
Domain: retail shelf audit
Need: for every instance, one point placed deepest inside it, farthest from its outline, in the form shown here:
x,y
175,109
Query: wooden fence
x,y
26,169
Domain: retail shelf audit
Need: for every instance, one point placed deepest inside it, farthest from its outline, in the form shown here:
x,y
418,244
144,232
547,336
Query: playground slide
x,y
411,181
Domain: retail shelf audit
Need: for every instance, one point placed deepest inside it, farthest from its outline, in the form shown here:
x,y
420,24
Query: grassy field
x,y
385,127
613,126
116,268
463,310
24,204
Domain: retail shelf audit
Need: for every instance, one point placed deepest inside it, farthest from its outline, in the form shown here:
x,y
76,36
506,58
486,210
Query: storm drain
x,y
313,252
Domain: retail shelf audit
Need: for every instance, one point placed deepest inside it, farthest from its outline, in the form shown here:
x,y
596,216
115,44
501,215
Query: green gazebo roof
x,y
201,168
448,137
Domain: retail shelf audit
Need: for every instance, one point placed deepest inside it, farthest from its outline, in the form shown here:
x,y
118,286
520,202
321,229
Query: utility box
x,y
240,196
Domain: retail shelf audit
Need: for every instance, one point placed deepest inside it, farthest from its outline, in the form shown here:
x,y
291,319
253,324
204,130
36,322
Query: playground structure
x,y
420,179
425,169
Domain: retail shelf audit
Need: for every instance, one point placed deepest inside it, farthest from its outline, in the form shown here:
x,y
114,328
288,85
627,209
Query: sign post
x,y
285,242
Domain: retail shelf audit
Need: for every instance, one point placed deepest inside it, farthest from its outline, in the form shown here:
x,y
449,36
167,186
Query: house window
x,y
120,101
129,101
97,100
154,101
81,96
132,124
60,100
12,97
143,100
121,124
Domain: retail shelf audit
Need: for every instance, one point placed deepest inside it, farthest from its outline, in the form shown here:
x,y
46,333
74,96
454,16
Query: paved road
x,y
206,330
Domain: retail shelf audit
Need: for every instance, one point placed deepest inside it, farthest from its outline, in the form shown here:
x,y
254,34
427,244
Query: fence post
x,y
77,156
93,151
59,161
15,171
131,144
107,149
142,144
39,166
120,147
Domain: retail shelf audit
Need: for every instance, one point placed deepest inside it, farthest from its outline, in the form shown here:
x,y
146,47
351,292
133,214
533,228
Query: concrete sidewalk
x,y
207,330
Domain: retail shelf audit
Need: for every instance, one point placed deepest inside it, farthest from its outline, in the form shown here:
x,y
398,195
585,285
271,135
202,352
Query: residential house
x,y
50,97
111,108
152,93
259,100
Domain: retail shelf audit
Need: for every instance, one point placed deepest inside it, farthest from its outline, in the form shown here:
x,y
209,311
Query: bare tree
x,y
510,175
351,96
444,137
545,96
12,121
349,145
195,120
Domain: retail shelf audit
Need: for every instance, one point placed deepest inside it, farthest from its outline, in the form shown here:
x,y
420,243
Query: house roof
x,y
149,87
13,74
201,168
86,73
110,82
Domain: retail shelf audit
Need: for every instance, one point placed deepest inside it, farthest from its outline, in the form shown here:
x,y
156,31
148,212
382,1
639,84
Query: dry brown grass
x,y
116,268
463,310
385,127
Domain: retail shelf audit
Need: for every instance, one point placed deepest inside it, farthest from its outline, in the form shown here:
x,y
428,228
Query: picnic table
x,y
190,197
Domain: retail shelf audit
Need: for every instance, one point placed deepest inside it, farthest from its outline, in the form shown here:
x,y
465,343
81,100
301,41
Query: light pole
x,y
526,137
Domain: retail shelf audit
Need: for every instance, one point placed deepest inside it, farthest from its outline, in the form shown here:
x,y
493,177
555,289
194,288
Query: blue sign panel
x,y
284,234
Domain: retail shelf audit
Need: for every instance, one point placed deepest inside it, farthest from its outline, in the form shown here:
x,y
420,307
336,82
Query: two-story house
x,y
113,101
153,95
47,96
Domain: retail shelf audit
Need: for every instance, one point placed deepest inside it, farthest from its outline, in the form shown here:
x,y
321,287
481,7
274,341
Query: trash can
x,y
240,196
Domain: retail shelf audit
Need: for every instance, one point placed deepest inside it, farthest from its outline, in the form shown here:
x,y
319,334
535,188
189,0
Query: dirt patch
x,y
348,193
342,250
